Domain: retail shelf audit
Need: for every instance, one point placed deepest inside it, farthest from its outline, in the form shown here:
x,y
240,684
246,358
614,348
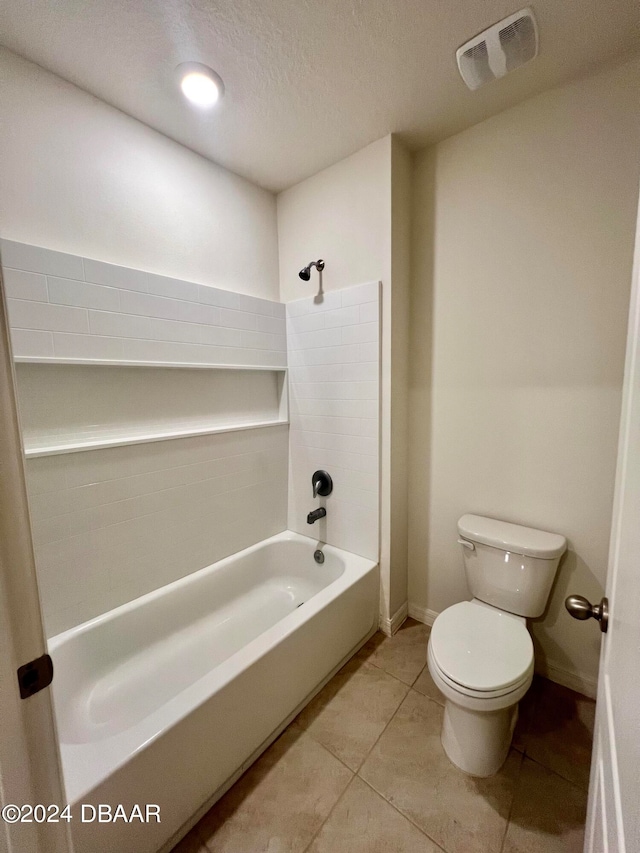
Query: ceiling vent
x,y
498,49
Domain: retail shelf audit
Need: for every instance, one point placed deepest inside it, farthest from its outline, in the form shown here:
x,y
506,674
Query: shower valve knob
x,y
322,484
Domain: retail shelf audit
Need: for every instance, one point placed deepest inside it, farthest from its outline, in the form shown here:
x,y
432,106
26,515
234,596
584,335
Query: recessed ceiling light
x,y
200,84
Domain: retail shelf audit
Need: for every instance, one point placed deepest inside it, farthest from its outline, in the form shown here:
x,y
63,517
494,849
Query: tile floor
x,y
362,770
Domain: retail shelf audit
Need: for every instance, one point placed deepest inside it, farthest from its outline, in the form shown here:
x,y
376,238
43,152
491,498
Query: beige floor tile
x,y
191,843
403,655
548,813
349,715
410,769
425,684
363,822
561,732
280,803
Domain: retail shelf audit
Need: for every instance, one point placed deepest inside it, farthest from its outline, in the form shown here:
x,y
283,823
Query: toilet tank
x,y
509,566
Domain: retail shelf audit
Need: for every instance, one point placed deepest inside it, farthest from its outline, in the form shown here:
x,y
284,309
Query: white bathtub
x,y
167,699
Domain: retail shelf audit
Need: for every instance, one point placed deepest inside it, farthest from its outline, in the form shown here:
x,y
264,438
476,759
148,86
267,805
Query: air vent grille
x,y
499,49
474,65
518,42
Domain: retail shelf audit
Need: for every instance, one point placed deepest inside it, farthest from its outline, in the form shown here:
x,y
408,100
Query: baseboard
x,y
422,614
585,684
390,626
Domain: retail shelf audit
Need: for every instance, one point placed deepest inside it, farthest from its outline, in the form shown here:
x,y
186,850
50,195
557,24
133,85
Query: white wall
x,y
78,176
523,238
344,215
334,369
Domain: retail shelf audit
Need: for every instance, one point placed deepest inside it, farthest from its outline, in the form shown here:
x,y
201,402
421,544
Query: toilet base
x,y
478,742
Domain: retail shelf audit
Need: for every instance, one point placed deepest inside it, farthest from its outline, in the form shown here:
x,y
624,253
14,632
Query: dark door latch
x,y
35,676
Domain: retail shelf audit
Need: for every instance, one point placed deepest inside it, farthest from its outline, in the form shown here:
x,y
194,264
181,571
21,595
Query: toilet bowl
x,y
480,654
482,663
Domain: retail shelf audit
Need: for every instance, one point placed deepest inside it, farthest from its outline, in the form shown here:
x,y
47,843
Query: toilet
x,y
480,653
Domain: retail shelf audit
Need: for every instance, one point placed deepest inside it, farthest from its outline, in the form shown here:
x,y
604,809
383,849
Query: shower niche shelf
x,y
70,407
183,365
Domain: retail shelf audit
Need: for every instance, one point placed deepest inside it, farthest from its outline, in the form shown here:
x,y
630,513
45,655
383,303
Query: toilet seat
x,y
482,695
481,651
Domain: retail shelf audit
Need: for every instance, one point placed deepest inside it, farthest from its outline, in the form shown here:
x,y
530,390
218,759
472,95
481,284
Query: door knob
x,y
580,608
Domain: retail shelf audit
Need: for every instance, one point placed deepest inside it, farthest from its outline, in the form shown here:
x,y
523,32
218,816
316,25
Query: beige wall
x,y
344,215
522,251
401,180
81,177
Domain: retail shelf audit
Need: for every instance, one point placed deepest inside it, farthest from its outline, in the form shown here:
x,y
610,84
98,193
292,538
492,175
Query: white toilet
x,y
480,653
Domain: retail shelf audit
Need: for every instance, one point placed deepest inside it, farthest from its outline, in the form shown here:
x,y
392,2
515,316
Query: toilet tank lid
x,y
512,537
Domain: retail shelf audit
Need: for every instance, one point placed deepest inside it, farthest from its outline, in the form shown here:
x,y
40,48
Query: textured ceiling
x,y
308,82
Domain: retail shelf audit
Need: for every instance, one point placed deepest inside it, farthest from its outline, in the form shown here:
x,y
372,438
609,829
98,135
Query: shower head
x,y
305,272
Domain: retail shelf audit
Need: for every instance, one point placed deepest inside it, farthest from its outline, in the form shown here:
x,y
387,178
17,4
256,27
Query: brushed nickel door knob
x,y
580,608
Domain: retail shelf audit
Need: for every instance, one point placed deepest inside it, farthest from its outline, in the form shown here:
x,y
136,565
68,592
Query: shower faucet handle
x,y
322,484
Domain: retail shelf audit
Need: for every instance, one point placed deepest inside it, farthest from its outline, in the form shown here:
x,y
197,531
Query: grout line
x,y
85,512
118,288
331,810
516,788
356,418
440,704
121,337
306,732
356,772
526,735
379,793
160,491
158,471
433,702
410,686
316,741
402,814
576,785
155,471
375,743
157,512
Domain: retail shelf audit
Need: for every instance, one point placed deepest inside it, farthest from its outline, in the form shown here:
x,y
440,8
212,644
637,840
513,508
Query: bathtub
x,y
166,700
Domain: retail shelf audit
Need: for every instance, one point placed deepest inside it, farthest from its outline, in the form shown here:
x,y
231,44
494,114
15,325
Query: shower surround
x,y
169,443
121,508
115,511
333,344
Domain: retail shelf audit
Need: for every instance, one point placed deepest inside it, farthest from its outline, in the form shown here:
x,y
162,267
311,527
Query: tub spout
x,y
316,514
